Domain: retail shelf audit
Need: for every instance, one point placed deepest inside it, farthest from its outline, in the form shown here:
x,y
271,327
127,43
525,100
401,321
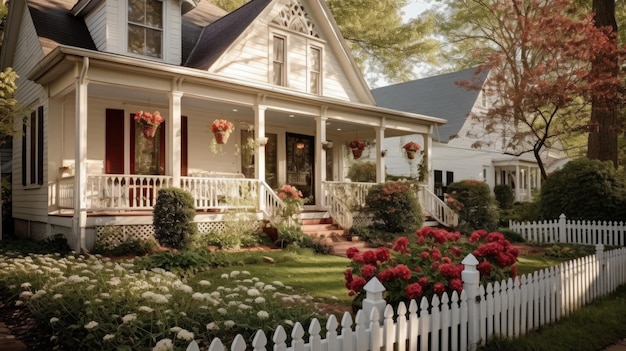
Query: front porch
x,y
128,200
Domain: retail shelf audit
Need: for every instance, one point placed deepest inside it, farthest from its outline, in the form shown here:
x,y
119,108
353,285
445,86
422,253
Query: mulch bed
x,y
25,328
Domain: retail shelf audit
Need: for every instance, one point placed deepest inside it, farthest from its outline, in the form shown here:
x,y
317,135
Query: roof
x,y
217,37
438,96
55,25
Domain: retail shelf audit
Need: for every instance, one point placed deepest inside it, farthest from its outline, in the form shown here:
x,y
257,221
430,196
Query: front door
x,y
301,164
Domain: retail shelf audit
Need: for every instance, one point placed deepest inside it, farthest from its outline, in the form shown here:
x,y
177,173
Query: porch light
x,y
299,145
262,141
327,145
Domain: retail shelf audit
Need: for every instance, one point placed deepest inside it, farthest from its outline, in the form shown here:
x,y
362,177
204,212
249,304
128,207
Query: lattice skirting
x,y
360,219
111,236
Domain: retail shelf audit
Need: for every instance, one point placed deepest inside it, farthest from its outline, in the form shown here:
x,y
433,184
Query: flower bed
x,y
429,264
94,303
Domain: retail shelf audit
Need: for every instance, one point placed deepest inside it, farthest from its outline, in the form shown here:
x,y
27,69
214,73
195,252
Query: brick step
x,y
312,221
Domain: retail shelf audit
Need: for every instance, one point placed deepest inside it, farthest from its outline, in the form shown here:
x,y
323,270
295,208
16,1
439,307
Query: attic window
x,y
145,27
295,18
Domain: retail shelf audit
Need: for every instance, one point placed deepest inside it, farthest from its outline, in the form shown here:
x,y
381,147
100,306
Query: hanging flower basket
x,y
221,129
149,122
356,153
411,148
221,137
357,147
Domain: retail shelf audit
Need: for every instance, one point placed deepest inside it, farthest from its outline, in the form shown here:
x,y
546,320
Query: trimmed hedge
x,y
174,212
476,206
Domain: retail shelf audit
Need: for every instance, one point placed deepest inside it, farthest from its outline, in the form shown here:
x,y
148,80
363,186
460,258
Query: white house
x,y
452,156
279,70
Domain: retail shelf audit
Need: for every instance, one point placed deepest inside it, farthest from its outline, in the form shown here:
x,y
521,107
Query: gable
x,y
240,45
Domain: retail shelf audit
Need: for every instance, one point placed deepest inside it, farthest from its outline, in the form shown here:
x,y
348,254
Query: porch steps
x,y
321,226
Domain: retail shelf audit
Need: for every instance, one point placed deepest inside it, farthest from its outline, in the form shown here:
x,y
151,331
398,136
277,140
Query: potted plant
x,y
411,148
357,147
222,128
149,122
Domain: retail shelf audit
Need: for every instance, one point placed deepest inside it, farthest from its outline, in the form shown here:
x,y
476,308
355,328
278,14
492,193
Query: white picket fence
x,y
572,231
508,308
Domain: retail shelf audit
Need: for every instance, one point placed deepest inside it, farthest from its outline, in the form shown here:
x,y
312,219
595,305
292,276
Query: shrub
x,y
504,195
476,206
430,264
585,189
184,263
363,172
174,213
395,207
293,236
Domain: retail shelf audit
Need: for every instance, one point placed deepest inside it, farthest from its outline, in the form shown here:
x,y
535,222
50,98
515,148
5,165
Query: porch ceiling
x,y
336,129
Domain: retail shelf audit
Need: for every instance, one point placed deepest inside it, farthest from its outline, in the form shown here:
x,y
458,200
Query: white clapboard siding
x,y
96,22
509,308
563,230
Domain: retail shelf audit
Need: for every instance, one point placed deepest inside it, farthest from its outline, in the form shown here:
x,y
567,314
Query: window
x,y
279,61
145,27
315,69
32,149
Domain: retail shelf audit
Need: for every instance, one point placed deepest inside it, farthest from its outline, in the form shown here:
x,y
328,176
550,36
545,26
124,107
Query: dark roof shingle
x,y
437,96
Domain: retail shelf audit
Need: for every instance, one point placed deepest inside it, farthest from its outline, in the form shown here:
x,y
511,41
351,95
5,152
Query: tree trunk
x,y
603,127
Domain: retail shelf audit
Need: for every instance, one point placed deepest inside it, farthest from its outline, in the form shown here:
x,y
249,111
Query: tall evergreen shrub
x,y
585,189
476,206
174,212
504,195
395,207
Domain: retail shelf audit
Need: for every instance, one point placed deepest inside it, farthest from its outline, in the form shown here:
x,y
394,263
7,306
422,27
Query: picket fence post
x,y
471,280
374,290
601,259
562,229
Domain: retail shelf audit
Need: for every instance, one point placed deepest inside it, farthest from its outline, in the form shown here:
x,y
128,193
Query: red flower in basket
x,y
149,122
357,144
222,125
411,146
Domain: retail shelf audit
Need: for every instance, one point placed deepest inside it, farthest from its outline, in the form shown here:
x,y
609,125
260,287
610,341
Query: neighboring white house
x,y
452,156
278,69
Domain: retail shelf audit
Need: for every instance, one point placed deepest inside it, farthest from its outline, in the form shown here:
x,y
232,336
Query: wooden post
x,y
374,298
562,228
471,279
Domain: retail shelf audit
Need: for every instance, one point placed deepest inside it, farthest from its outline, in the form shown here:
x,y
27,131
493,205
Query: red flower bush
x,y
429,264
357,144
411,146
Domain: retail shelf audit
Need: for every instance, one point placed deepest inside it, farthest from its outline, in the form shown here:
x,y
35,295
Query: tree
x,y
602,142
8,104
538,54
380,41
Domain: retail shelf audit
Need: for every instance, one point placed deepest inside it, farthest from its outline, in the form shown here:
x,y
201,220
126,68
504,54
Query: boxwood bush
x,y
174,212
476,206
395,207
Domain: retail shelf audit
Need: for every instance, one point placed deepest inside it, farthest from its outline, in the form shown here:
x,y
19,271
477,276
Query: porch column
x,y
79,221
173,138
380,160
517,187
528,185
259,135
428,152
538,178
320,157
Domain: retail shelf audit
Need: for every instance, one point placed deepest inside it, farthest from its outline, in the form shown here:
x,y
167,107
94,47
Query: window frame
x,y
283,76
311,71
33,150
146,27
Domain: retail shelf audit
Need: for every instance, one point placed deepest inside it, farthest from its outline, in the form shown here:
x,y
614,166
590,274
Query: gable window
x,y
278,59
315,68
32,149
145,27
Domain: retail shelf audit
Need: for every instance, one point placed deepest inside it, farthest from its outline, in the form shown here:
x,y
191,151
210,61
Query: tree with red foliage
x,y
540,78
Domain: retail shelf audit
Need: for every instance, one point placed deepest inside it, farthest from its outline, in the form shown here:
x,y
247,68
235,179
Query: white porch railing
x,y
353,195
114,192
437,209
220,193
338,210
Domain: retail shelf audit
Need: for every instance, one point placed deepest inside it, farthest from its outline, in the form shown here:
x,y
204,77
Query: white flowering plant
x,y
92,302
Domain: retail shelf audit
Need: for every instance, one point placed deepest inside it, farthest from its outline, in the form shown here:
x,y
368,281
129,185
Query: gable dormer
x,y
149,29
285,43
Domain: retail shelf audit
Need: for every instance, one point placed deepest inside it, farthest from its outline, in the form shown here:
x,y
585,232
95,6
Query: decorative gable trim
x,y
295,18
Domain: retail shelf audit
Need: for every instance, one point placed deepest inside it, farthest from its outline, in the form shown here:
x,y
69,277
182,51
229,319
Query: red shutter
x,y
40,145
114,139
